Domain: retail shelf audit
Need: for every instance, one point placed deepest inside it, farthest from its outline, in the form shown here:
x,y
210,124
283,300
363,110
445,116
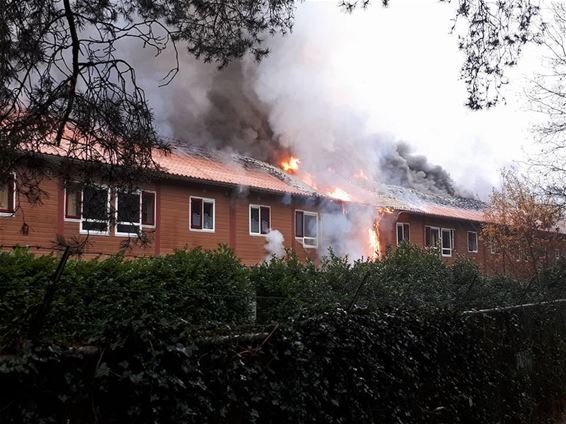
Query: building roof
x,y
230,168
219,167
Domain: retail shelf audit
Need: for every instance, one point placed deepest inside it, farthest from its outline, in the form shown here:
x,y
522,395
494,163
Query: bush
x,y
199,288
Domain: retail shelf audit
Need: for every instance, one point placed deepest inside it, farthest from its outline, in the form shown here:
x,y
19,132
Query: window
x,y
306,228
447,242
432,237
8,196
260,220
440,238
95,210
472,242
201,214
128,217
402,233
148,208
134,210
73,199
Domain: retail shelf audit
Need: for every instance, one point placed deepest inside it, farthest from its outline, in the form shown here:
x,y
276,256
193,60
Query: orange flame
x,y
375,237
339,194
290,165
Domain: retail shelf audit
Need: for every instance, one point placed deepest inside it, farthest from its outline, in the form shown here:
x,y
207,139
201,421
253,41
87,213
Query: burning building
x,y
210,198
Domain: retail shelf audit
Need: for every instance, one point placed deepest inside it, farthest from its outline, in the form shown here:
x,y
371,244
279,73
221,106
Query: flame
x,y
339,194
374,243
290,165
375,240
361,175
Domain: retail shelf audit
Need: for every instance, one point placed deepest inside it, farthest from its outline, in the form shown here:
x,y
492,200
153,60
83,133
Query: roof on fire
x,y
233,169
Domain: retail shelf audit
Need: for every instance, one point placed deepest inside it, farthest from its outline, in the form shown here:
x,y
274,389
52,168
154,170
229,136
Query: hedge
x,y
394,366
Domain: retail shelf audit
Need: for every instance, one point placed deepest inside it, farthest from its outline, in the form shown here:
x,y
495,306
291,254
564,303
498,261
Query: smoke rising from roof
x,y
289,103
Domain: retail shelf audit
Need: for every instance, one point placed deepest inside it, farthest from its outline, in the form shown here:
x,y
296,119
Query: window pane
x,y
399,233
127,228
406,232
148,208
95,204
73,198
208,215
265,220
128,207
95,226
196,214
310,226
254,220
472,242
428,237
6,196
299,232
446,242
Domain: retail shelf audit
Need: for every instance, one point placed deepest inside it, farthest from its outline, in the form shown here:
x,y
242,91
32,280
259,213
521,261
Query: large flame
x,y
290,165
339,194
375,237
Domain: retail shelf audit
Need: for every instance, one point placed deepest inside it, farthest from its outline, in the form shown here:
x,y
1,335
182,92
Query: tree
x,y
548,96
65,83
523,228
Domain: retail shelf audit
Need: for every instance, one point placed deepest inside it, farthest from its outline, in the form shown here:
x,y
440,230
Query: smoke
x,y
274,245
292,102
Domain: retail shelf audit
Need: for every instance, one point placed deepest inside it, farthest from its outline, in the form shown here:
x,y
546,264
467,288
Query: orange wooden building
x,y
208,198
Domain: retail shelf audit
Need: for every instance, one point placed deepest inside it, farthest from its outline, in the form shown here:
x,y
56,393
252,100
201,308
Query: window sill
x,y
8,213
196,230
94,233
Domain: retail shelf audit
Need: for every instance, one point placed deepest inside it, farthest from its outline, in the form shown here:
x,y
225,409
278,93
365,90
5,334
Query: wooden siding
x,y
46,223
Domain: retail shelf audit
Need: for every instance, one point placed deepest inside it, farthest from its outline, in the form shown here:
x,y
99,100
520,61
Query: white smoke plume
x,y
274,245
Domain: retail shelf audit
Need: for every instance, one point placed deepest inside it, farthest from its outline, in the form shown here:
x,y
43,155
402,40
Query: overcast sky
x,y
400,67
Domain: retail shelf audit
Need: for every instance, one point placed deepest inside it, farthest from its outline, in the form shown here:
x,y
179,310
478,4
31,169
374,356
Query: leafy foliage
x,y
205,289
393,366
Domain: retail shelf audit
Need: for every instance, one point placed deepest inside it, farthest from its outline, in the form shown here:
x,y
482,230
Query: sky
x,y
399,66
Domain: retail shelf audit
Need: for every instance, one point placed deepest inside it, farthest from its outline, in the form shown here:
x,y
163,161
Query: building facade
x,y
202,200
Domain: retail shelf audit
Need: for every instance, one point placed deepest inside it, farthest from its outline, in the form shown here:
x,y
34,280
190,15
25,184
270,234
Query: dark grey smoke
x,y
402,167
234,109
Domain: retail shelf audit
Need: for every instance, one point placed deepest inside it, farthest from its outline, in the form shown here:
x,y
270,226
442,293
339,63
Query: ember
x,y
375,242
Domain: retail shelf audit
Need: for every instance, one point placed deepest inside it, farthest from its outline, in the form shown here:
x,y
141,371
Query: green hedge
x,y
207,290
395,366
197,287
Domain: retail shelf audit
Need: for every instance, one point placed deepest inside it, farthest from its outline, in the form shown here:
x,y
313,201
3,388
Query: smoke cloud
x,y
274,245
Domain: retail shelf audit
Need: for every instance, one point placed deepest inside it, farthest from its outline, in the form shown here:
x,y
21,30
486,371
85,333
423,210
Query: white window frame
x,y
451,248
302,239
11,213
439,236
154,209
477,242
117,205
108,206
250,220
203,200
402,225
